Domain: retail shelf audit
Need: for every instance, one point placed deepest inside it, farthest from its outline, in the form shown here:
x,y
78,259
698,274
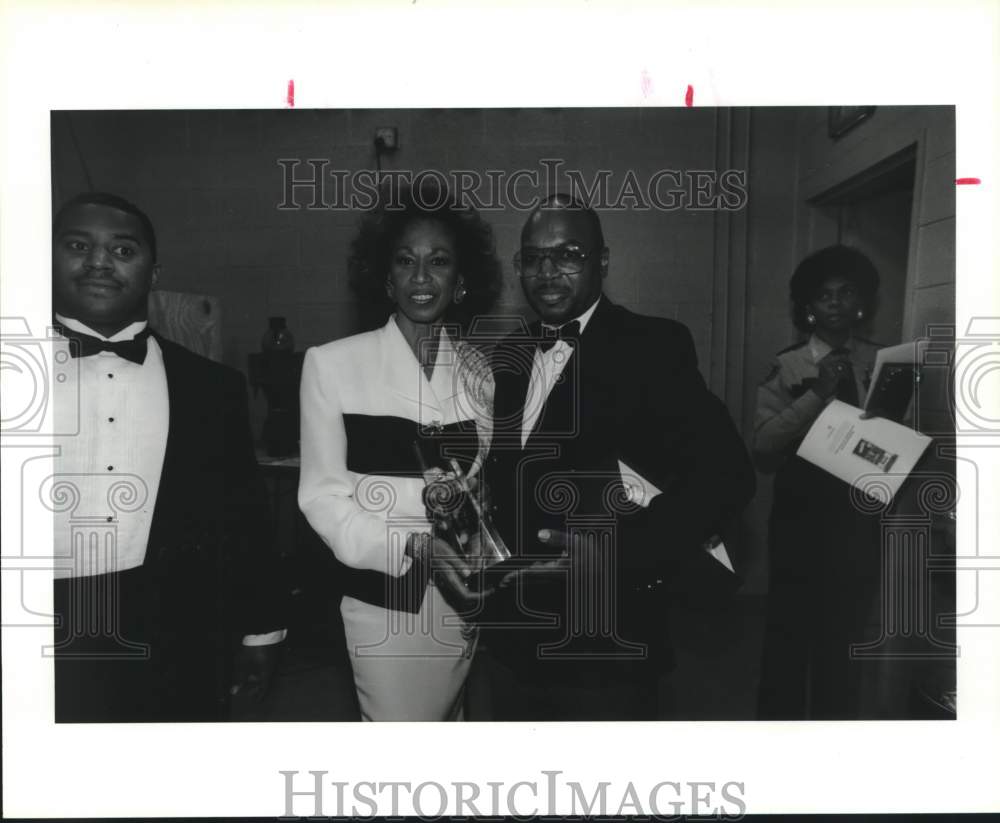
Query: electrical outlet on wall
x,y
388,136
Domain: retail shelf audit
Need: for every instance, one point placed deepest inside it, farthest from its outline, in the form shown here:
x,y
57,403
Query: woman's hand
x,y
832,369
450,570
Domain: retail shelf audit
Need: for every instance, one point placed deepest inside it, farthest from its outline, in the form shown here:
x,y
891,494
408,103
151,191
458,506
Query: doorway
x,y
872,212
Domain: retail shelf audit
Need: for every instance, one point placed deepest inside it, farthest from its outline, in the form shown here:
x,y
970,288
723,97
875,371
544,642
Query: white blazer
x,y
364,517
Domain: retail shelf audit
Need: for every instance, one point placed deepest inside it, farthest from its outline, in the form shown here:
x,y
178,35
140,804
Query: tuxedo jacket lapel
x,y
200,469
182,437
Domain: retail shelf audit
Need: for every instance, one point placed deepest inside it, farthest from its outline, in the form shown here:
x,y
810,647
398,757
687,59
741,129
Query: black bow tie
x,y
570,332
84,345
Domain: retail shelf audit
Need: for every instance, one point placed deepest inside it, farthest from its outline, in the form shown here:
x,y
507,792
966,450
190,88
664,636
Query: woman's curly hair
x,y
380,229
833,261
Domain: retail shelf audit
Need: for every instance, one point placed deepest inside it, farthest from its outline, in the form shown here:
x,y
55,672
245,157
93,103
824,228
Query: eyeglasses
x,y
566,260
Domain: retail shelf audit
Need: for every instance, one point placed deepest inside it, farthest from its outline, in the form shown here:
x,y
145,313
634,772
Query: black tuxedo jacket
x,y
631,392
212,522
208,575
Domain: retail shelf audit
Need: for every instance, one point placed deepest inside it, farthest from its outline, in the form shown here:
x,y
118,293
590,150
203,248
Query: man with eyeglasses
x,y
612,466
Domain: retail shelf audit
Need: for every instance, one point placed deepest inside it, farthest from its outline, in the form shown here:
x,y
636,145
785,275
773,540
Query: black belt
x,y
401,594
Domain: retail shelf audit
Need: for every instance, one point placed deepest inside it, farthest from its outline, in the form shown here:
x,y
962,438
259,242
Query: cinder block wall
x,y
211,182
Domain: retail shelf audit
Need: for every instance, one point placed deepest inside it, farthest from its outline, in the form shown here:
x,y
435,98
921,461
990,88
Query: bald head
x,y
563,202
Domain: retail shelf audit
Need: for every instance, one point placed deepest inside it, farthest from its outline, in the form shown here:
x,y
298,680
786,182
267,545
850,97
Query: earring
x,y
811,319
460,293
861,314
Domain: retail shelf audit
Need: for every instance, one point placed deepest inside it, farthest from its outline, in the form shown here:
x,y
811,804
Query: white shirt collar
x,y
583,318
129,332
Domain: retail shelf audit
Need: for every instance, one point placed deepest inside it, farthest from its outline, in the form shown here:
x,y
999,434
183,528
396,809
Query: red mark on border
x,y
689,97
968,181
290,98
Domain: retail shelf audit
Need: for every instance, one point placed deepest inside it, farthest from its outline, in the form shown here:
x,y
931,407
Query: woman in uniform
x,y
823,552
380,409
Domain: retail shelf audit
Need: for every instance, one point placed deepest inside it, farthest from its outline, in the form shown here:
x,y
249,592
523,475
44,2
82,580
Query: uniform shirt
x,y
545,371
113,464
786,403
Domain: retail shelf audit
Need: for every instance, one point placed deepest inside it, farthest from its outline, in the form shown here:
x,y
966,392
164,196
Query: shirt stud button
x,y
110,376
109,519
111,420
111,468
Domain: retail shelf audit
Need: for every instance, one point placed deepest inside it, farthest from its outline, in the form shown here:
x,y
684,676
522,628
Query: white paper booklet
x,y
857,450
641,492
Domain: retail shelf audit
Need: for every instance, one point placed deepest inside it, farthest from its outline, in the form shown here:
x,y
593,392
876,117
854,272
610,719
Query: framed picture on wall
x,y
844,118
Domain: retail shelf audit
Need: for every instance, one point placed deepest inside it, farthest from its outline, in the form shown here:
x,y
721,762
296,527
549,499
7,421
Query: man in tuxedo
x,y
611,468
161,530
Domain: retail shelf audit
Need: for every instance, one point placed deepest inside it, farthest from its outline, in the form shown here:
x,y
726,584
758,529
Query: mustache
x,y
89,279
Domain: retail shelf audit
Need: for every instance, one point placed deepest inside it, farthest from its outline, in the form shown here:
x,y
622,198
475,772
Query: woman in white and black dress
x,y
366,401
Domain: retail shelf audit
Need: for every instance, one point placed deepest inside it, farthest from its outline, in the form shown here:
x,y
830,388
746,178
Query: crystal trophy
x,y
459,517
